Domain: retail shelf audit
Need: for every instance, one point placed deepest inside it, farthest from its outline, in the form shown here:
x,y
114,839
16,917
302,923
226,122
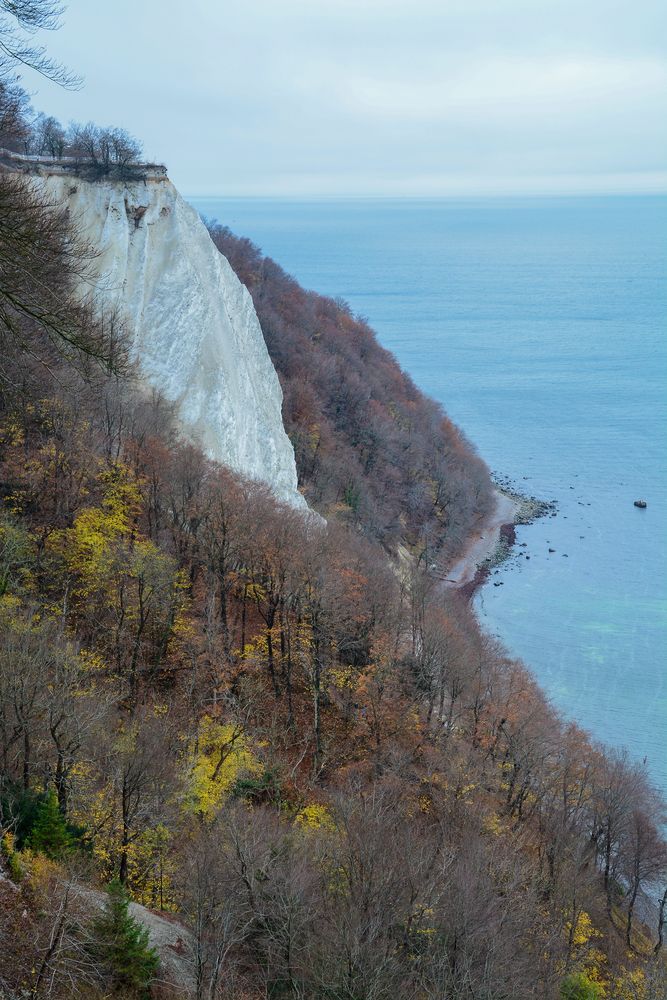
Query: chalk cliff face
x,y
194,329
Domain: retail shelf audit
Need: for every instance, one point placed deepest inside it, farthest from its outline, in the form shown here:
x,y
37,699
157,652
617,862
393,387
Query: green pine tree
x,y
578,986
121,946
49,834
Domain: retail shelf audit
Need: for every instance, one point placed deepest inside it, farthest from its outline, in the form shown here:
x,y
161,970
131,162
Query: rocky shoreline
x,y
519,508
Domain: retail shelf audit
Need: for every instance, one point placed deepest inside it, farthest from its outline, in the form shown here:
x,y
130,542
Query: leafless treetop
x,y
19,21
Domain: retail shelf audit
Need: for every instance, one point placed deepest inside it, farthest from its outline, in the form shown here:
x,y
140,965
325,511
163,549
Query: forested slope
x,y
247,721
369,445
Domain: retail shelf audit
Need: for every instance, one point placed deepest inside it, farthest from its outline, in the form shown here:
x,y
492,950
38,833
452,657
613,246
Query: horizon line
x,y
439,186
467,196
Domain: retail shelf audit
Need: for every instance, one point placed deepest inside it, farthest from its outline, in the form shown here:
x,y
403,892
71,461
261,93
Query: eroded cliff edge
x,y
193,326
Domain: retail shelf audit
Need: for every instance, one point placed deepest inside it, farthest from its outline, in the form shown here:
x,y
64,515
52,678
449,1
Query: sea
x,y
540,324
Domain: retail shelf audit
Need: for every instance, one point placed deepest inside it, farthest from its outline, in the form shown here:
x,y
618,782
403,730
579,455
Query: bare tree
x,y
618,788
15,131
48,136
42,266
103,152
217,906
645,859
20,20
45,941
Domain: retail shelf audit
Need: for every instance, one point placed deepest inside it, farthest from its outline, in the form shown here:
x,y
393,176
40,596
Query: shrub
x,y
579,987
121,947
266,788
14,866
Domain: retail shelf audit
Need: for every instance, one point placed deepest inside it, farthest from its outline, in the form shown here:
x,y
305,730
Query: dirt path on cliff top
x,y
483,544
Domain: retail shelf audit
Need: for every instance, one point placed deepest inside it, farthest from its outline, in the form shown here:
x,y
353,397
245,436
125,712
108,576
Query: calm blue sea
x,y
541,325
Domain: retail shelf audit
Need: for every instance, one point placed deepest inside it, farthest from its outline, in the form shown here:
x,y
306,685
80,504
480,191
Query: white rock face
x,y
195,332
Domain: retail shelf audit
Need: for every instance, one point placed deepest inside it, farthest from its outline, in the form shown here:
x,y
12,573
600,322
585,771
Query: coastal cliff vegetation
x,y
370,447
315,767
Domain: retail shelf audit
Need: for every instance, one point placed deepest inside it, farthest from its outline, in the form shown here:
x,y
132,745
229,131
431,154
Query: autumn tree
x,y
644,854
371,450
137,780
617,786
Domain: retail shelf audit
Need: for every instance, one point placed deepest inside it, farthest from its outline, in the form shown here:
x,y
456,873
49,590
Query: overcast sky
x,y
383,97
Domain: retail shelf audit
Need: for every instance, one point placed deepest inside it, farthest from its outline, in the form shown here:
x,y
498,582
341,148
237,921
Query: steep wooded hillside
x,y
369,446
325,775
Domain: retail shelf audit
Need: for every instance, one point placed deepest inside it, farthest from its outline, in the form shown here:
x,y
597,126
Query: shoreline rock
x,y
526,510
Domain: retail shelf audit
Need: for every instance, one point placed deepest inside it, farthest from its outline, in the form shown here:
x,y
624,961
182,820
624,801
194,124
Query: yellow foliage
x,y
12,434
91,662
415,718
588,959
40,870
337,879
151,868
593,967
493,824
421,921
425,804
630,985
256,648
302,640
344,678
464,790
95,810
584,931
217,758
255,592
122,496
87,547
315,816
183,627
7,844
110,564
10,605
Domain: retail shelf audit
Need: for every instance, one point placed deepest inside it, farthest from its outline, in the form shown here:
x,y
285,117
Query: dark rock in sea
x,y
641,503
527,557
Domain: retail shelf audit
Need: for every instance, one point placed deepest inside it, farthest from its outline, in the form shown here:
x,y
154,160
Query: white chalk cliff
x,y
194,329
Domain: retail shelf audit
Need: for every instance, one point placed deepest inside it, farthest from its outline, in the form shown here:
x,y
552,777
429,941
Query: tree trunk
x,y
631,908
661,921
26,760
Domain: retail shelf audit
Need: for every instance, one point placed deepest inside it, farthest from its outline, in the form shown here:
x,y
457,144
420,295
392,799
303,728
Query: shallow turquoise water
x,y
541,325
